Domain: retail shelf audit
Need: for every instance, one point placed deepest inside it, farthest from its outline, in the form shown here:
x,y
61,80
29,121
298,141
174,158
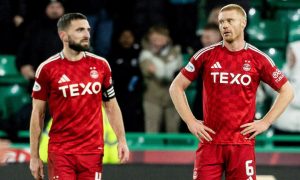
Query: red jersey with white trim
x,y
74,91
230,81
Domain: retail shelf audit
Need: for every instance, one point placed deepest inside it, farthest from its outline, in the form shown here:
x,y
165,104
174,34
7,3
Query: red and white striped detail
x,y
52,58
262,53
203,50
98,57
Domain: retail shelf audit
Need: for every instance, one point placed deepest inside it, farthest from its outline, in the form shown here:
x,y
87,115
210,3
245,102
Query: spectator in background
x,y
11,18
100,14
183,14
210,35
159,62
128,79
41,40
289,121
148,13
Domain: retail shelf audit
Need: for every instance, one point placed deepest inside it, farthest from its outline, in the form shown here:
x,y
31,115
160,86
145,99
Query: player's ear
x,y
244,22
62,36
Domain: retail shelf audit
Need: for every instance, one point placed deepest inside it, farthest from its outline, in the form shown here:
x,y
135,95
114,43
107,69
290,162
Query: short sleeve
x,y
192,69
41,85
270,74
108,91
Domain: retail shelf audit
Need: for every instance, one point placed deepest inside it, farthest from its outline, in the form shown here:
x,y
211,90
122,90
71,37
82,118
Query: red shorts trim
x,y
73,167
237,161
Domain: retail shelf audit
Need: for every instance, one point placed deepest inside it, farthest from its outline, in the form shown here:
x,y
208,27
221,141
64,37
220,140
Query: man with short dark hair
x,y
74,83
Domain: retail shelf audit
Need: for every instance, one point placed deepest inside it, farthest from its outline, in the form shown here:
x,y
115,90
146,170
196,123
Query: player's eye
x,y
80,30
230,21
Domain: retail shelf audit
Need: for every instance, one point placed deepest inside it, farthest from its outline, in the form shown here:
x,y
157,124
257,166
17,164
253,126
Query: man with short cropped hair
x,y
74,83
231,72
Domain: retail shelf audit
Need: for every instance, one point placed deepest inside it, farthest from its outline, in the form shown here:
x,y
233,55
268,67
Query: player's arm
x,y
36,128
116,121
284,97
179,99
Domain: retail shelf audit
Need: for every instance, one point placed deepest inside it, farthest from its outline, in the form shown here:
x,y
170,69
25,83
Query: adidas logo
x,y
217,65
63,79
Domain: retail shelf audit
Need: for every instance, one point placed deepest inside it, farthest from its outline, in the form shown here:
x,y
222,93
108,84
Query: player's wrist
x,y
122,140
267,121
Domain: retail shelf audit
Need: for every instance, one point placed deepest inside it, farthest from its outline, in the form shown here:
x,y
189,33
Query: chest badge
x,y
94,73
247,66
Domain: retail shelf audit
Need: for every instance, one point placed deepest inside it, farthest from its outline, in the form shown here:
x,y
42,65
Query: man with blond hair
x,y
231,70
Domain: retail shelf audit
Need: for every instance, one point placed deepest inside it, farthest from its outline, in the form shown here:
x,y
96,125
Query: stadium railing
x,y
186,142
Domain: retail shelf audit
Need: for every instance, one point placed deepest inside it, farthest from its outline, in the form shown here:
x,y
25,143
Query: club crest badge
x,y
247,66
94,73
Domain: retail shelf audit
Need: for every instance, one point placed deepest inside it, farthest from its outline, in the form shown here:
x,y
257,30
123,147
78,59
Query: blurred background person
x,y
160,61
183,14
148,13
12,14
101,16
210,35
289,121
41,41
128,79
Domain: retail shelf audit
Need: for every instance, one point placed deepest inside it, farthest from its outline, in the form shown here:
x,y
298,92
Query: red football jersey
x,y
230,81
74,93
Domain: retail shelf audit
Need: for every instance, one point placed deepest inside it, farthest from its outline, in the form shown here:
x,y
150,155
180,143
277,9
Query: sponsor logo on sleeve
x,y
190,67
277,75
36,86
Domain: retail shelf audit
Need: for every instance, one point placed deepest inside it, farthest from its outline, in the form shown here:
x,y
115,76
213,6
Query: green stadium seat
x,y
267,34
256,3
16,102
18,79
277,55
254,16
288,4
11,100
8,65
288,15
9,73
294,31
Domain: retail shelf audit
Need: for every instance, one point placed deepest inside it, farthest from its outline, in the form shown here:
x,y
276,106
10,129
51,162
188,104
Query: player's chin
x,y
85,47
228,39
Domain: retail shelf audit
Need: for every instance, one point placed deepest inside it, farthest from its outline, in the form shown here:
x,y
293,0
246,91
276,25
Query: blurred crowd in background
x,y
146,43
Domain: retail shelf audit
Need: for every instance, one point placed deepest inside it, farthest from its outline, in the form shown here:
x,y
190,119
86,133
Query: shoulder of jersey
x,y
206,49
97,57
46,62
261,54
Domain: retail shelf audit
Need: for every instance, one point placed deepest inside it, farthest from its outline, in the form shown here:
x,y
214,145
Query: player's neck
x,y
72,55
236,45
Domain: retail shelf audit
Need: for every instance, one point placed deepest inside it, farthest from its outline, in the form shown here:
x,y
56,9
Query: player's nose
x,y
87,34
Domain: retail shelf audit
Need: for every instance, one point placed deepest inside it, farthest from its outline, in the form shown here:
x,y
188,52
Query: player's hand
x,y
36,168
255,128
123,152
200,130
